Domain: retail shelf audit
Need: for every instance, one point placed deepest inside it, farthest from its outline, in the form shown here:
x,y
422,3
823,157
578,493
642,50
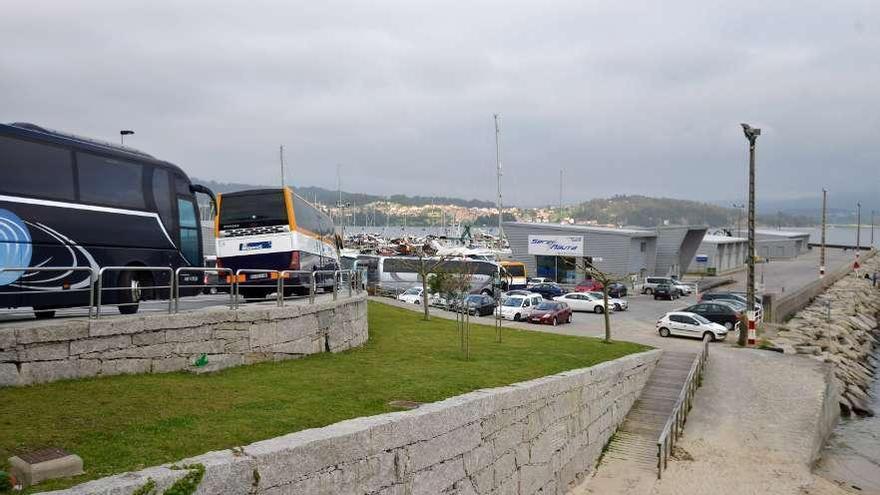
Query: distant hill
x,y
649,212
329,197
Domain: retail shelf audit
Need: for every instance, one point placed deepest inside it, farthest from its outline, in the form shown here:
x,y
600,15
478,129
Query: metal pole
x,y
281,156
872,229
858,234
822,249
560,195
498,172
749,337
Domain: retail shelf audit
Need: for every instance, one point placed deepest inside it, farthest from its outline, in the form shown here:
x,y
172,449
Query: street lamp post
x,y
739,210
123,133
857,265
822,250
751,134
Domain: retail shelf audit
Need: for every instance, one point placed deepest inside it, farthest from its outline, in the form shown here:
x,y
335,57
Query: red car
x,y
589,285
551,312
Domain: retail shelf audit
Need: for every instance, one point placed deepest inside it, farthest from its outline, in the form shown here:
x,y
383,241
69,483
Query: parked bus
x,y
274,229
402,272
513,275
70,201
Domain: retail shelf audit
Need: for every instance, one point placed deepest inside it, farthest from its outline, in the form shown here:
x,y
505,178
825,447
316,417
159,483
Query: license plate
x,y
254,246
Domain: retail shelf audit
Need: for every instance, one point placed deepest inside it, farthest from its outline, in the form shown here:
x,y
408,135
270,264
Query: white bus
x,y
274,229
402,272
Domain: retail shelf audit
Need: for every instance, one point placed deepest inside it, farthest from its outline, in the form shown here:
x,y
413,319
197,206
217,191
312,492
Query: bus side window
x,y
110,181
34,169
189,231
162,197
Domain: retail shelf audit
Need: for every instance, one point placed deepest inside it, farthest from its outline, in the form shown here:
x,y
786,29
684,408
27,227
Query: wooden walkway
x,y
630,463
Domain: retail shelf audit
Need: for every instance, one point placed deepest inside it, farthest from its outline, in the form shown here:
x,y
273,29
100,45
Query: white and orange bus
x,y
274,229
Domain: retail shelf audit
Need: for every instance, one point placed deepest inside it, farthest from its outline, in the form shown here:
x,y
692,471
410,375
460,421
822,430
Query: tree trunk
x,y
606,313
425,297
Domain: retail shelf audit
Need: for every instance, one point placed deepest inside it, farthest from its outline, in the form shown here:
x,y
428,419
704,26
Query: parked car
x,y
584,301
665,291
479,304
617,289
617,303
717,312
730,296
413,295
551,312
688,324
537,281
651,284
549,290
517,292
683,288
518,308
588,285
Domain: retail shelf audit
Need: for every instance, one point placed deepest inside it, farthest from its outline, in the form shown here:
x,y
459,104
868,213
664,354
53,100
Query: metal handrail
x,y
91,288
335,283
199,269
294,272
674,427
105,269
236,286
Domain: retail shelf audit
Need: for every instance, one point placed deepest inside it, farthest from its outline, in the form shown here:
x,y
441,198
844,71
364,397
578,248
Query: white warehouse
x,y
718,255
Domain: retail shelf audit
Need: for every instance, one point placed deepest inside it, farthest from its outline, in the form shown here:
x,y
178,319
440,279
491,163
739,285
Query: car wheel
x,y
517,317
129,299
598,310
555,321
728,325
417,302
664,332
710,335
649,291
617,307
655,298
568,320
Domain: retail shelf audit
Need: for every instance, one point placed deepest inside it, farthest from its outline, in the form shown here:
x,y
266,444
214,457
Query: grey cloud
x,y
627,97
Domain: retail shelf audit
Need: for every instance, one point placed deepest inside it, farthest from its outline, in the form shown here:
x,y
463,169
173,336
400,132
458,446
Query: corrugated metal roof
x,y
722,239
588,228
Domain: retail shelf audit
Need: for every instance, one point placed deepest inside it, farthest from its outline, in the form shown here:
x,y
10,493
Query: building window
x,y
643,246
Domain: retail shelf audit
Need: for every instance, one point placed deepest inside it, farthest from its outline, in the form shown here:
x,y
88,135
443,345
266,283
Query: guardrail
x,y
97,288
675,424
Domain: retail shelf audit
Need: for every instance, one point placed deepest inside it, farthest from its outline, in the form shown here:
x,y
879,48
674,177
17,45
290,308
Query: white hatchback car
x,y
584,301
413,295
518,308
689,325
617,303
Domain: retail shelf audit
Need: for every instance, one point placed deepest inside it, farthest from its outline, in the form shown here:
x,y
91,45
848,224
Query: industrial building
x,y
559,252
719,254
780,244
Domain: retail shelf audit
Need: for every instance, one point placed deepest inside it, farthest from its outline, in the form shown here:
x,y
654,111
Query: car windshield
x,y
413,292
513,302
546,305
474,298
700,319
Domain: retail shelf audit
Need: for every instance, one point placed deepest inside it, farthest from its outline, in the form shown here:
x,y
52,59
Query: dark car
x,y
666,291
717,312
547,291
616,289
589,285
551,312
480,304
735,297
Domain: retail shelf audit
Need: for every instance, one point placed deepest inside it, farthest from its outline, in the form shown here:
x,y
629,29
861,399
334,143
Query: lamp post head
x,y
751,133
126,132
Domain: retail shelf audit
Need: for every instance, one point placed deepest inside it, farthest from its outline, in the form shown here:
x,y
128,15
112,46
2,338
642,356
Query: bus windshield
x,y
251,210
515,270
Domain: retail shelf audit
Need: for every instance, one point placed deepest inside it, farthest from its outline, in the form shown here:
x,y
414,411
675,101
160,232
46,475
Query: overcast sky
x,y
626,97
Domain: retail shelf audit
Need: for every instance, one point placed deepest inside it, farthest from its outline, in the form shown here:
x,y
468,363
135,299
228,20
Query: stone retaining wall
x,y
41,351
540,436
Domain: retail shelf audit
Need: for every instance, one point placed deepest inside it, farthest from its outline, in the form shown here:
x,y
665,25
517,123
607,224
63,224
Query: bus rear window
x,y
251,210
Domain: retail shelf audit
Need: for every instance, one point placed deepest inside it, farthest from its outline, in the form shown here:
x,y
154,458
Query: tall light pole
x,y
751,134
822,249
858,234
560,195
281,159
739,210
123,133
872,229
498,166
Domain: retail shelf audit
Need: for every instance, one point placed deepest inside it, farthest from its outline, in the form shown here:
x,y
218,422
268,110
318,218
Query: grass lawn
x,y
125,423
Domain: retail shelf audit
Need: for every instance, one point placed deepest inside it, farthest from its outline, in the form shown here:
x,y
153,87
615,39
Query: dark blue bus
x,y
66,201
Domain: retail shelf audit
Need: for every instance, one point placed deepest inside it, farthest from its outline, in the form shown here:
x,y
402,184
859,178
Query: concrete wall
x,y
780,307
539,436
39,352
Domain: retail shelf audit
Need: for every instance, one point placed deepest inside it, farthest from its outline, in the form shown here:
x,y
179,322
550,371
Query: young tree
x,y
425,266
605,279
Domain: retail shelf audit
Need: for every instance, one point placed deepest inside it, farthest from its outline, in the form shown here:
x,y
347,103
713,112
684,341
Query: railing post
x,y
313,287
335,285
100,292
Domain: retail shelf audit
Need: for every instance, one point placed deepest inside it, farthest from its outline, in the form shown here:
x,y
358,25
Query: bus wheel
x,y
44,314
131,295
